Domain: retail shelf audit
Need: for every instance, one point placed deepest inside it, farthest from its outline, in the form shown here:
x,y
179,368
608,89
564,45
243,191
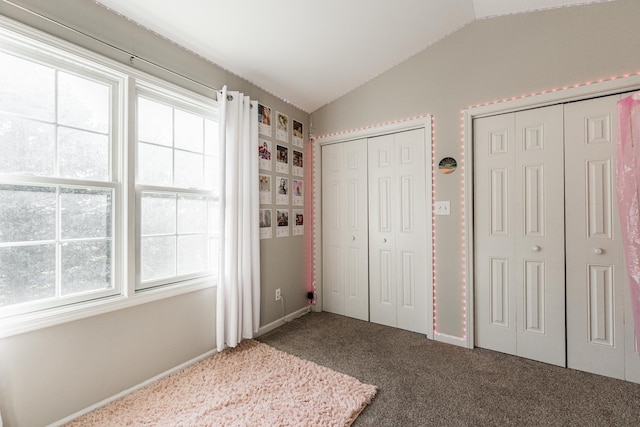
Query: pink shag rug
x,y
250,385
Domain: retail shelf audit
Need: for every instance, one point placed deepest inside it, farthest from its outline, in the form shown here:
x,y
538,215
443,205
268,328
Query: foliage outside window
x,y
176,183
78,225
57,189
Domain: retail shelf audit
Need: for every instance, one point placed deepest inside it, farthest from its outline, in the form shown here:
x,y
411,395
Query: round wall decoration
x,y
447,165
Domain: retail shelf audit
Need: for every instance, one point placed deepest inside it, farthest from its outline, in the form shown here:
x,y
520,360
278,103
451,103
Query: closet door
x,y
539,219
495,235
596,277
398,220
519,241
345,275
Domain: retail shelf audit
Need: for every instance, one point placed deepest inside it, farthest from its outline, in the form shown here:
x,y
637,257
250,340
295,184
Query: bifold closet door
x,y
519,234
398,220
596,276
345,257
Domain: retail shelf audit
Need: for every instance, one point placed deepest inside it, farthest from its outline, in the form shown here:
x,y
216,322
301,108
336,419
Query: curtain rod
x,y
132,56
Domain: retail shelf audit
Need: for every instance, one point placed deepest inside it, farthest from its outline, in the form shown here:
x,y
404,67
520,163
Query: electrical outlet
x,y
278,296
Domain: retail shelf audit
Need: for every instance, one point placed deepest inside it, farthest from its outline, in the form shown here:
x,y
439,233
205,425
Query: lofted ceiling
x,y
310,52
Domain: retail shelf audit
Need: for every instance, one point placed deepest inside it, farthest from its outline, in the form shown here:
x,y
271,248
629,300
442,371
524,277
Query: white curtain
x,y
238,299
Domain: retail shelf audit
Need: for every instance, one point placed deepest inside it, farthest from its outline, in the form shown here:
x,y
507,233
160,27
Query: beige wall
x,y
51,373
487,60
48,374
54,372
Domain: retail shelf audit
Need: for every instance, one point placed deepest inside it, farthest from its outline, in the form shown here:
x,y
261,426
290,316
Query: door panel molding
x,y
595,261
598,89
534,243
406,156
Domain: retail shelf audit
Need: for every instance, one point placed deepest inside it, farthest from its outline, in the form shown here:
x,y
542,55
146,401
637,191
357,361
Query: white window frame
x,y
176,98
35,44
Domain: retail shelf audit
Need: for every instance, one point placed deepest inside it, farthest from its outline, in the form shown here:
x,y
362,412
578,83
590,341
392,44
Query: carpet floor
x,y
422,382
250,385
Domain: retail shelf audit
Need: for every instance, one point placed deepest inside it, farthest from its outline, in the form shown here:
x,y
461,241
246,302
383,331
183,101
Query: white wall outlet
x,y
278,296
443,208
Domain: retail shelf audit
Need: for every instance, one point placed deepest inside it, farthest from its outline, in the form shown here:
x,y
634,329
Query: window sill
x,y
20,324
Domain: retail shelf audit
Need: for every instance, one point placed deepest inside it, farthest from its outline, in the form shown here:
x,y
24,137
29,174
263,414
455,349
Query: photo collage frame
x,y
281,159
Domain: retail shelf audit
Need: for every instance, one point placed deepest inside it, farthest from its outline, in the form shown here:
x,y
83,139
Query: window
x,y
57,186
92,215
176,185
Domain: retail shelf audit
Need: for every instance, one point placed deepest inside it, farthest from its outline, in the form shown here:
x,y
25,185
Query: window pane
x,y
83,155
174,228
158,214
27,273
27,88
27,213
192,253
27,146
155,165
211,136
189,173
155,122
86,266
214,216
192,214
214,255
85,213
189,131
83,103
158,257
211,181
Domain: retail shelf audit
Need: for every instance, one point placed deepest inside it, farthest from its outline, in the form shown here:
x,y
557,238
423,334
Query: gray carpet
x,y
426,383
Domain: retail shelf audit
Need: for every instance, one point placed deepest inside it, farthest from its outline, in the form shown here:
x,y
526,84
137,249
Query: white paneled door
x,y
596,278
345,229
532,255
398,250
519,226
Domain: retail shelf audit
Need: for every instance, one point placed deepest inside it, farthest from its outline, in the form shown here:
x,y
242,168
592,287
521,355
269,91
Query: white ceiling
x,y
310,52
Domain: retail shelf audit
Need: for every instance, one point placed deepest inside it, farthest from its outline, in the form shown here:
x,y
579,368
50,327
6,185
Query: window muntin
x,y
64,168
53,122
176,234
55,242
58,189
176,147
28,88
176,186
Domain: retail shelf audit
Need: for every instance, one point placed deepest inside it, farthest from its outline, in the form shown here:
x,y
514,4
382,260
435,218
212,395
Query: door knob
x,y
384,240
535,248
598,251
353,237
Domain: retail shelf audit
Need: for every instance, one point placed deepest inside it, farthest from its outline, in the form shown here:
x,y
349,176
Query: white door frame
x,y
422,122
575,93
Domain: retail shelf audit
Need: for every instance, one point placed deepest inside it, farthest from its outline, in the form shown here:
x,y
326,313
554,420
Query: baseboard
x,y
263,330
130,390
288,318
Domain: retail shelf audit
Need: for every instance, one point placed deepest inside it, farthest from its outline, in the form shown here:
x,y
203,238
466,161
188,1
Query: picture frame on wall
x,y
297,192
264,120
282,222
282,127
298,222
297,162
266,230
297,134
264,154
282,159
265,189
282,193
